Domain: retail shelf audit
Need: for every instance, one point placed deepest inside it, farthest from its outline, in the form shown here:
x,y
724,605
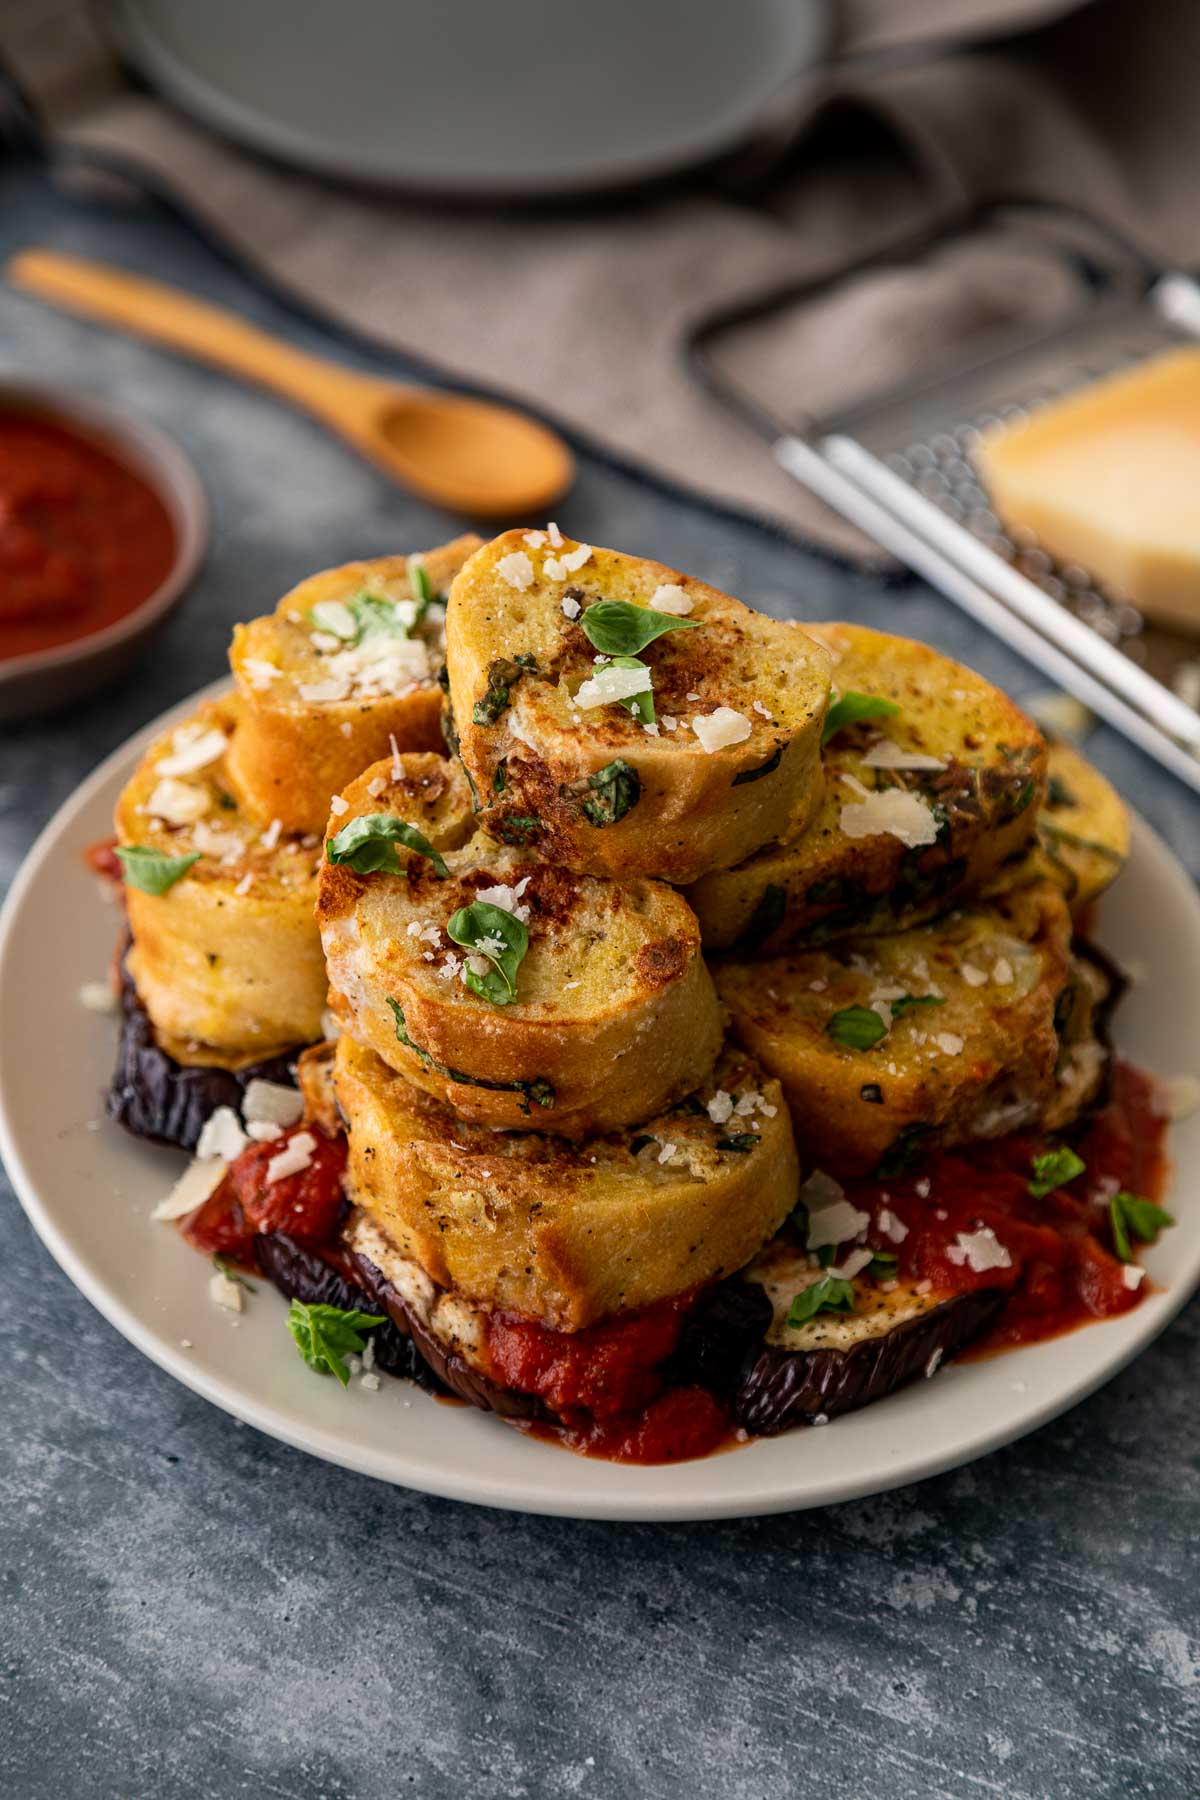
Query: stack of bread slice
x,y
220,828
703,918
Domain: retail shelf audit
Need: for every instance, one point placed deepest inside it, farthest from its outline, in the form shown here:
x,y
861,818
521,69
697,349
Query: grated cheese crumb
x,y
610,684
294,1158
671,598
273,1102
338,806
1132,1275
972,976
516,569
887,754
259,672
980,1250
193,753
177,802
376,786
555,535
98,996
571,606
720,1107
1002,971
836,1224
270,836
224,1292
950,1042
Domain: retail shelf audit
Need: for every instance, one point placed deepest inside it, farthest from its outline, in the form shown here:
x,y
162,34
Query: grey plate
x,y
474,99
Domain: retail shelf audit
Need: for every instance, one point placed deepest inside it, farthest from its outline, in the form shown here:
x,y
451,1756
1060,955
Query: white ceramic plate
x,y
88,1189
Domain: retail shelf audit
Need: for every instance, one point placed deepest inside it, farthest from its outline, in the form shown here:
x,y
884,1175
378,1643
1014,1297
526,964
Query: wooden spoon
x,y
470,456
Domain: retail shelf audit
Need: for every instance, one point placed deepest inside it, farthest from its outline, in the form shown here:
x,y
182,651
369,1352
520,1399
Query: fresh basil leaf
x,y
365,845
326,1335
883,1265
486,930
739,1140
503,674
830,1294
614,790
1053,1169
151,871
616,628
852,709
907,1001
857,1027
640,705
539,1090
1133,1218
418,581
764,768
500,778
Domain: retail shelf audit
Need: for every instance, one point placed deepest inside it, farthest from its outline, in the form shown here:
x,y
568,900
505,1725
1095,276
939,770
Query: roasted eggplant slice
x,y
838,1361
304,1274
155,1097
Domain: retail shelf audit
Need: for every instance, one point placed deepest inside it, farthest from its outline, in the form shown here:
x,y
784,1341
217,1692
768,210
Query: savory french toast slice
x,y
978,1024
623,719
562,1232
933,780
345,669
226,956
522,995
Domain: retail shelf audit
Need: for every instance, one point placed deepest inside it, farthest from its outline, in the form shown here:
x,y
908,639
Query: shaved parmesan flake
x,y
671,598
338,806
376,786
318,693
889,755
335,619
720,1107
894,1229
1182,1096
972,976
950,1042
270,836
1132,1275
535,539
610,684
294,1158
891,813
571,607
261,1131
516,569
259,672
836,1224
559,567
508,899
717,730
195,753
224,1292
1002,971
198,1181
177,802
271,1102
98,996
854,1264
555,535
980,1250
221,1135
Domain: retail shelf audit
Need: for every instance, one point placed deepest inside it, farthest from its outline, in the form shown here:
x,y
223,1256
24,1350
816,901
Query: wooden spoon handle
x,y
168,316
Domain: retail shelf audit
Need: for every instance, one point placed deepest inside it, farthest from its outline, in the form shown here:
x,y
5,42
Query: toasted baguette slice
x,y
1000,1036
227,961
615,1018
592,788
561,1232
838,1361
980,799
319,708
1082,833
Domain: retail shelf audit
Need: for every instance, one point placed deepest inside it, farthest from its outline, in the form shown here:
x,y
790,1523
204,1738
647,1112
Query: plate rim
x,y
529,1495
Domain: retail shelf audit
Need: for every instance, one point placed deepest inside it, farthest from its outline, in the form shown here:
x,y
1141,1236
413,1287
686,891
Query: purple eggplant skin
x,y
719,1337
451,1372
301,1274
782,1388
155,1097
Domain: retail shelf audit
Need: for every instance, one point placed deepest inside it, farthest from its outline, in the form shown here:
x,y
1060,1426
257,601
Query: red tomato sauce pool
x,y
83,538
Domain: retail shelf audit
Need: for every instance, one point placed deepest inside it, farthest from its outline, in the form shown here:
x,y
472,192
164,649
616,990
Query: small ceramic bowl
x,y
45,679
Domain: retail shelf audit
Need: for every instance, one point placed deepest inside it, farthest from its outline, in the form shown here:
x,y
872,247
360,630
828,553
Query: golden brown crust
x,y
615,1016
538,759
563,1233
977,1043
825,884
228,961
293,753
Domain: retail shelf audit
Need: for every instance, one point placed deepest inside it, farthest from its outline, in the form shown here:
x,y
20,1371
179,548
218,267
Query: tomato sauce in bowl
x,y
84,537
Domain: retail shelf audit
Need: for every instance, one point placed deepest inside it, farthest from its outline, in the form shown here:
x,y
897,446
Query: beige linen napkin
x,y
581,310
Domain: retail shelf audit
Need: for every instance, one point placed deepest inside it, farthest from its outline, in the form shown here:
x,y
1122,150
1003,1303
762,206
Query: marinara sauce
x,y
83,538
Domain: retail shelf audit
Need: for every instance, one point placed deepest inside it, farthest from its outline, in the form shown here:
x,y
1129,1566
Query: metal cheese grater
x,y
897,464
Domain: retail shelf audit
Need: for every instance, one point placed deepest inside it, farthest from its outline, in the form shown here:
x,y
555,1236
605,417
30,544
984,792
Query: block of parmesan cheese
x,y
1109,478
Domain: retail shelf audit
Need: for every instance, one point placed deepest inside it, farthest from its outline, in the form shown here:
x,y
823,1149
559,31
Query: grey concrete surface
x,y
189,1611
